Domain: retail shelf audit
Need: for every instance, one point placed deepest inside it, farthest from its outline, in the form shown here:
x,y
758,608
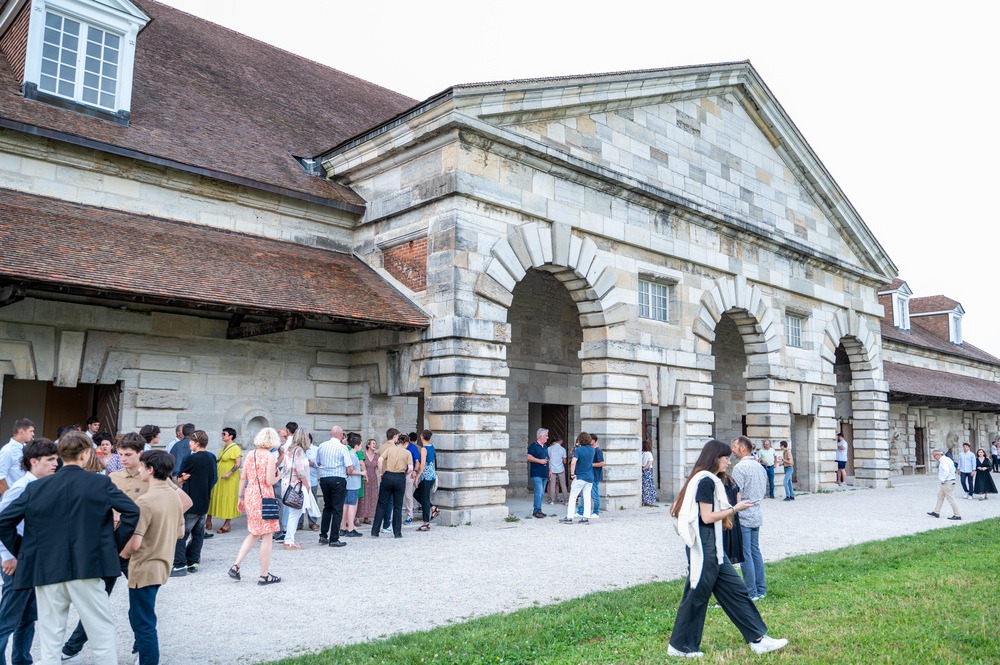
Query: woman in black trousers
x,y
700,513
394,463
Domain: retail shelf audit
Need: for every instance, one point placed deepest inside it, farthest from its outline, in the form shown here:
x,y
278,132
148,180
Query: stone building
x,y
231,235
943,391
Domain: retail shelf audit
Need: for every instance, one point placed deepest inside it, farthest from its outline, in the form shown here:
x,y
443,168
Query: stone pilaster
x,y
870,398
466,407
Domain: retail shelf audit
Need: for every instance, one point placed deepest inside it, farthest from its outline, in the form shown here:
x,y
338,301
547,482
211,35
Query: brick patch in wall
x,y
408,263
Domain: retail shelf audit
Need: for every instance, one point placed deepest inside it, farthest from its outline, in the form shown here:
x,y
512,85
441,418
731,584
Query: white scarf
x,y
686,524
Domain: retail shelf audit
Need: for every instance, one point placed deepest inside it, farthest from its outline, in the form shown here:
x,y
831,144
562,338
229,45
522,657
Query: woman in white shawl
x,y
700,511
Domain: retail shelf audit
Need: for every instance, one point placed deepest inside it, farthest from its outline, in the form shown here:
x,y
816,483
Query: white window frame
x,y
955,327
793,332
901,310
124,20
647,308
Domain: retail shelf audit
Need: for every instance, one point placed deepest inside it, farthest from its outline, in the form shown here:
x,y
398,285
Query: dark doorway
x,y
555,418
51,407
918,442
847,429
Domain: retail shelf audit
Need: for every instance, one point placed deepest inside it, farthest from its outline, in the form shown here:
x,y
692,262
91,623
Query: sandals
x,y
434,512
293,546
424,527
224,529
264,580
234,572
314,527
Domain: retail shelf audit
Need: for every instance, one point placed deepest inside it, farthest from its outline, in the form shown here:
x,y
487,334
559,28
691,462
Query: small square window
x,y
793,330
654,300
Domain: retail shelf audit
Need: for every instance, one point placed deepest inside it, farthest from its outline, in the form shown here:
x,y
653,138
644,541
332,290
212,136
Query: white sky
x,y
898,99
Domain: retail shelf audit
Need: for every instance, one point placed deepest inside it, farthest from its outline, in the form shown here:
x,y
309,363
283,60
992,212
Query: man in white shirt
x,y
766,457
967,469
336,462
946,476
995,453
842,444
557,470
93,427
17,606
11,454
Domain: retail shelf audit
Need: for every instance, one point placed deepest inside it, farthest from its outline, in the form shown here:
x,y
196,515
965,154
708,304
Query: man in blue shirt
x,y
538,463
582,473
595,488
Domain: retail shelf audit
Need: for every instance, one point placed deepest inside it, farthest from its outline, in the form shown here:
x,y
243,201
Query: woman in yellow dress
x,y
225,494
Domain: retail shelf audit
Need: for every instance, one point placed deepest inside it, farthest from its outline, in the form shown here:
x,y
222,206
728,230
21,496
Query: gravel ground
x,y
478,570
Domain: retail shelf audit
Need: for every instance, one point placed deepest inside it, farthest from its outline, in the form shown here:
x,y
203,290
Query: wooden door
x,y
108,406
555,418
847,429
918,441
66,406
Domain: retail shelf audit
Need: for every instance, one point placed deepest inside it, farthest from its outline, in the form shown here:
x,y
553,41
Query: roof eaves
x,y
72,139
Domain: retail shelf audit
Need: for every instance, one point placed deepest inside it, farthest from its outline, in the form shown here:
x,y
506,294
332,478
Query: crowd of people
x,y
125,506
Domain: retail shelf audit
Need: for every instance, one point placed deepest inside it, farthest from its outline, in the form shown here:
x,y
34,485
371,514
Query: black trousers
x,y
334,490
996,463
730,592
423,495
393,486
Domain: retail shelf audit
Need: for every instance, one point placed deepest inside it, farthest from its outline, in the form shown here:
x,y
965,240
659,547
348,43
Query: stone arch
x,y
744,302
862,348
868,402
575,261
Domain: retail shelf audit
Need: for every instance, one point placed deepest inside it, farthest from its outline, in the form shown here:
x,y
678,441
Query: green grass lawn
x,y
919,599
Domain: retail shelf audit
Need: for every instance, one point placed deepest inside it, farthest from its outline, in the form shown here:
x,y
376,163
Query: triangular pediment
x,y
713,135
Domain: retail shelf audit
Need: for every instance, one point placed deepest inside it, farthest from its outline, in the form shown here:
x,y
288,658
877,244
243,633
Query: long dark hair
x,y
708,460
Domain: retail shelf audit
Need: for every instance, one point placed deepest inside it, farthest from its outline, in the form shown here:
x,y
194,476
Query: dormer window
x,y
901,310
80,54
955,325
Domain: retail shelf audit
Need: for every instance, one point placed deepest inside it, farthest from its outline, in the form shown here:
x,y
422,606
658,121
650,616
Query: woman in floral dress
x,y
260,473
648,485
369,502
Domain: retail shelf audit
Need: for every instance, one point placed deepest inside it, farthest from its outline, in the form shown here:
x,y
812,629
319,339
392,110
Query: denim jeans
x,y
770,480
18,614
595,499
967,483
538,484
753,562
789,492
189,553
142,617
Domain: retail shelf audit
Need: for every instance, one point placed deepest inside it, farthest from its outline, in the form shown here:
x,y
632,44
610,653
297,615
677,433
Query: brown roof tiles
x,y
921,337
921,382
55,245
213,99
932,304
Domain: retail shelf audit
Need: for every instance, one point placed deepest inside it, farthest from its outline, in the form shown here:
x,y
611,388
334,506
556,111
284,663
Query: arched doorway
x,y
544,386
729,380
845,403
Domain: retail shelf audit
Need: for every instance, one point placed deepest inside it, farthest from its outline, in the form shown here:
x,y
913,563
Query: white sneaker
x,y
595,516
671,651
767,644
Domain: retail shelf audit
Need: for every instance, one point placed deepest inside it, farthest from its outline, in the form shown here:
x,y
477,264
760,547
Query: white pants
x,y
90,598
575,489
408,497
293,523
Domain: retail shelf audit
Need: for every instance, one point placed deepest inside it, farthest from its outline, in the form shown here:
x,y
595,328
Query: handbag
x,y
269,507
293,496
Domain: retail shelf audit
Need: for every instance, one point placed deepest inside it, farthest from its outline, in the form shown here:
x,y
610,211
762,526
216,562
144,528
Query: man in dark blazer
x,y
70,543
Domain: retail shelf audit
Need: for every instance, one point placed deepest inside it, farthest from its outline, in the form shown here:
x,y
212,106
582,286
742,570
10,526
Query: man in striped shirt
x,y
752,481
335,463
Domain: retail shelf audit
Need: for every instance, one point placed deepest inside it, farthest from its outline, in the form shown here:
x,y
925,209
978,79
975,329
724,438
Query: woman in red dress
x,y
260,473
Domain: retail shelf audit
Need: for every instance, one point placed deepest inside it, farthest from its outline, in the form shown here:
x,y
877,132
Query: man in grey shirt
x,y
752,481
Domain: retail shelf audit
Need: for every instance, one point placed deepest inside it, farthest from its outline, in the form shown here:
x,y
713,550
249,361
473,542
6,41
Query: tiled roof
x,y
921,337
932,304
893,285
210,98
50,244
922,382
